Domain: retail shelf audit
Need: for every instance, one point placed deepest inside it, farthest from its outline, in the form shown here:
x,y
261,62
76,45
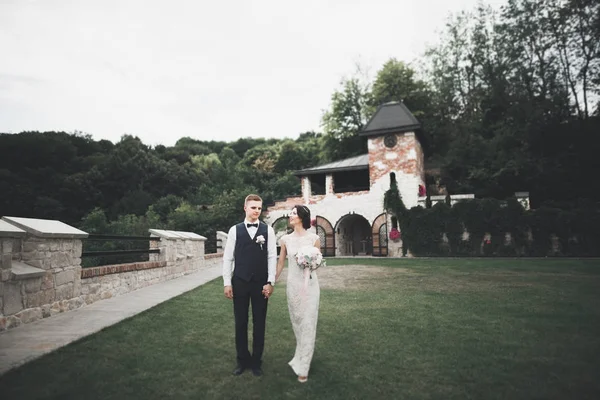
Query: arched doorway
x,y
281,227
380,236
326,236
353,236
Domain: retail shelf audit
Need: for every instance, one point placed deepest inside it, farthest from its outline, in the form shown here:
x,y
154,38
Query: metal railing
x,y
102,249
210,246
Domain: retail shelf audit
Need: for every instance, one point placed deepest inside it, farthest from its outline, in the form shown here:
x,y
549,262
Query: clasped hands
x,y
267,291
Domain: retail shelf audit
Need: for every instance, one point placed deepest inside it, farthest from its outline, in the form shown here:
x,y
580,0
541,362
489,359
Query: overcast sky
x,y
218,70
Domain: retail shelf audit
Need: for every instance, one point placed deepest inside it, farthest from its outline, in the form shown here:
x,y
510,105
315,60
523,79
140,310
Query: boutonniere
x,y
260,240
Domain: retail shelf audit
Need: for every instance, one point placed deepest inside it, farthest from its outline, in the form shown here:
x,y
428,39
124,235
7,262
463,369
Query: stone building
x,y
346,196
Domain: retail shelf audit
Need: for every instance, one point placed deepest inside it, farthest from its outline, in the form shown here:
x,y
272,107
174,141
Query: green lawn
x,y
394,329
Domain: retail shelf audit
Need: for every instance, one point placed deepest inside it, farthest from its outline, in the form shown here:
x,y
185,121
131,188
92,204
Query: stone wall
x,y
104,282
40,261
179,255
286,205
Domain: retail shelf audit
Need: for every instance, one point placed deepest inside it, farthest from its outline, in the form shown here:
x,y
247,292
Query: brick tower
x,y
395,151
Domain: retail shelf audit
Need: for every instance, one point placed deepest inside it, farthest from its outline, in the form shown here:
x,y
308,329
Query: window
x,y
351,181
317,184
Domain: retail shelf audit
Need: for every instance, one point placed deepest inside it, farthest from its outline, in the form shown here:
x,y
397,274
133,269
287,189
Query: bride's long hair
x,y
304,215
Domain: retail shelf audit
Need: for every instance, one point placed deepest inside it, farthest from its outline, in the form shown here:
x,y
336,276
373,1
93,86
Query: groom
x,y
249,264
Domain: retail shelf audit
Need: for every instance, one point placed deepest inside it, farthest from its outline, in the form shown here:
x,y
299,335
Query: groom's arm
x,y
272,255
228,259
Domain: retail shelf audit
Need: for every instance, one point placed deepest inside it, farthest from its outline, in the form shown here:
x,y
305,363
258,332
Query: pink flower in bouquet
x,y
313,222
310,257
422,191
394,234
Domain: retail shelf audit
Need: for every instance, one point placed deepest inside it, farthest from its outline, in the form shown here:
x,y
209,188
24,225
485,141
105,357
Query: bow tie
x,y
252,225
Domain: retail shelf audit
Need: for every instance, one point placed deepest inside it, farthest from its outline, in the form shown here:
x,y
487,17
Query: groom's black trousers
x,y
244,293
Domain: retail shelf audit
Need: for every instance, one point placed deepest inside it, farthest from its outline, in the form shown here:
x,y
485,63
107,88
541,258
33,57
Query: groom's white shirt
x,y
229,258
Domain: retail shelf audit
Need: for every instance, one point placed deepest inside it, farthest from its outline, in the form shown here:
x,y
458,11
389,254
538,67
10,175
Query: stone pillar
x,y
306,189
45,271
182,251
394,247
10,293
221,241
159,244
329,185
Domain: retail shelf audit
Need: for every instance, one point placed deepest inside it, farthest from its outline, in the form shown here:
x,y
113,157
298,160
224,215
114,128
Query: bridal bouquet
x,y
309,257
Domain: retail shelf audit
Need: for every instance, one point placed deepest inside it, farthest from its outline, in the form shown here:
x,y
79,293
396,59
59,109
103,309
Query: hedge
x,y
440,230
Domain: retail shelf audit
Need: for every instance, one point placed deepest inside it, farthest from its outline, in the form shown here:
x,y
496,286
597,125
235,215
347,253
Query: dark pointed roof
x,y
349,164
393,117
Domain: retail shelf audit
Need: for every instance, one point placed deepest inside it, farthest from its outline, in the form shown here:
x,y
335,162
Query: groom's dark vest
x,y
251,261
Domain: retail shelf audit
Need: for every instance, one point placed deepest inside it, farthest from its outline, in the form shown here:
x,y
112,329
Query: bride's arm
x,y
281,261
317,242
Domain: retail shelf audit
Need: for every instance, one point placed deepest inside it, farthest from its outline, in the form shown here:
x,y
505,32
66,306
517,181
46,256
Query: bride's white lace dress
x,y
303,305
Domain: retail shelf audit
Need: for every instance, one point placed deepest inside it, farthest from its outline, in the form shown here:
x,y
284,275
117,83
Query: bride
x,y
303,298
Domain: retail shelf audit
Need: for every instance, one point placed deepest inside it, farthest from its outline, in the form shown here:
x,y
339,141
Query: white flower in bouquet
x,y
310,257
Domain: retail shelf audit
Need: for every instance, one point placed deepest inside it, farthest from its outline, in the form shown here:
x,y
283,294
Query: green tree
x,y
396,81
347,116
292,157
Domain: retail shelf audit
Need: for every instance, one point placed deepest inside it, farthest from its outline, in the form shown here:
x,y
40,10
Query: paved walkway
x,y
30,341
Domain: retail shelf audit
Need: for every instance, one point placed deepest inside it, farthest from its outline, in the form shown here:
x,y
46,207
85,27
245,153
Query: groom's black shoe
x,y
238,370
257,371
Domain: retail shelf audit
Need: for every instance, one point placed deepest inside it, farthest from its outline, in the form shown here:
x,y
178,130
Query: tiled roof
x,y
349,164
393,117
